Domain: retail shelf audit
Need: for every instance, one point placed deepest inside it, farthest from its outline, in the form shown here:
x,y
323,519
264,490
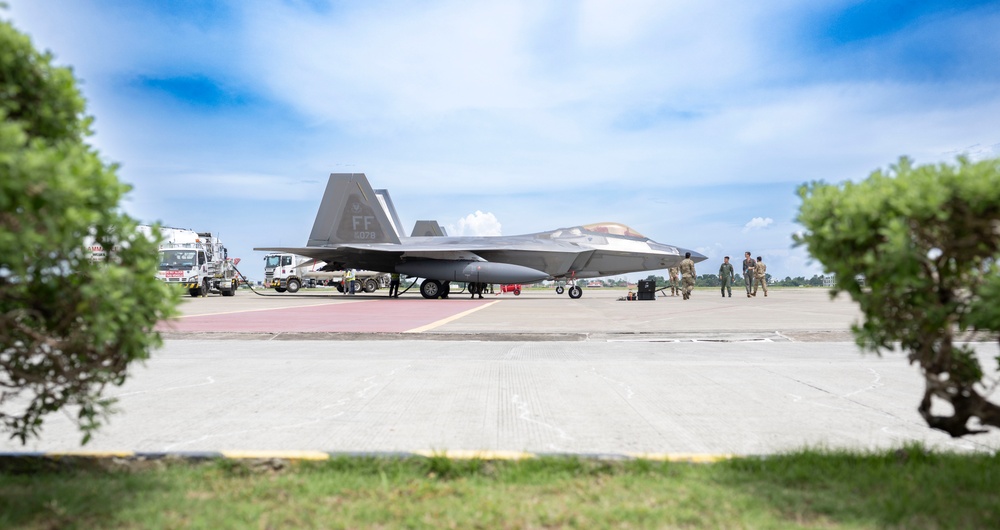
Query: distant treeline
x,y
712,280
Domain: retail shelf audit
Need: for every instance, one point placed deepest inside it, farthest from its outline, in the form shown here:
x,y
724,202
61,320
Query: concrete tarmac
x,y
539,373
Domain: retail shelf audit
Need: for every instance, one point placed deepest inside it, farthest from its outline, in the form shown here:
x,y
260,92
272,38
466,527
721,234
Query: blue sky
x,y
693,122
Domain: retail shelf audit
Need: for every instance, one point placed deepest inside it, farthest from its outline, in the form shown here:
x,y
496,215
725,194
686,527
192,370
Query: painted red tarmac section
x,y
386,316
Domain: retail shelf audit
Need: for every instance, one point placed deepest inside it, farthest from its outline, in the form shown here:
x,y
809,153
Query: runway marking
x,y
452,318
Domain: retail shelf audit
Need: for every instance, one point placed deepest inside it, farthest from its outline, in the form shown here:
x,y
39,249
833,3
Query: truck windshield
x,y
271,262
177,259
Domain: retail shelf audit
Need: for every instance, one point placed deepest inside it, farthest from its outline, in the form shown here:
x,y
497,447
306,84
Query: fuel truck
x,y
196,261
290,272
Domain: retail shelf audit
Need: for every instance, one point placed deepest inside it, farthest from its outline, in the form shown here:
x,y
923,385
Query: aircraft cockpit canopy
x,y
615,229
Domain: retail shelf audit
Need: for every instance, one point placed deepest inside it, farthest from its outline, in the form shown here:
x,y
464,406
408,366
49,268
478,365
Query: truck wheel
x,y
517,292
232,289
575,292
194,292
293,285
371,285
280,289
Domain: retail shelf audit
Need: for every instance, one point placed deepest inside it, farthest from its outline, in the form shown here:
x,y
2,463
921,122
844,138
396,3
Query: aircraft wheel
x,y
430,289
575,292
370,285
559,289
293,285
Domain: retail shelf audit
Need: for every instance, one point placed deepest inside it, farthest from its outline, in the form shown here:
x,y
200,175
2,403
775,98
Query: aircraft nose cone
x,y
696,256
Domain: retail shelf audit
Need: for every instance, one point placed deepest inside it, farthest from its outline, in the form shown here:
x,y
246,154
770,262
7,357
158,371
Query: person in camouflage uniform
x,y
727,276
760,276
687,275
675,281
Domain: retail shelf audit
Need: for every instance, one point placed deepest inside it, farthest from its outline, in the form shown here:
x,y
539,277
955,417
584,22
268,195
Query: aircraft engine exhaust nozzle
x,y
471,271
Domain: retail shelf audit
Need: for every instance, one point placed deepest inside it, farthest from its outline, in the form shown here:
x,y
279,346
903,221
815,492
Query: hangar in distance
x,y
353,230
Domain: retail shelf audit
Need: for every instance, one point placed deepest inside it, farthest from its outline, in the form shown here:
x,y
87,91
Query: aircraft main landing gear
x,y
434,289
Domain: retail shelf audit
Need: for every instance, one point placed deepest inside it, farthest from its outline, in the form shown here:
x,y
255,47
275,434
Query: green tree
x,y
925,240
69,326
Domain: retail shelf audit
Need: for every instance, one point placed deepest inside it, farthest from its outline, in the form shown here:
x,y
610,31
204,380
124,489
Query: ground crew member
x,y
748,264
394,285
760,278
687,275
349,281
727,276
675,280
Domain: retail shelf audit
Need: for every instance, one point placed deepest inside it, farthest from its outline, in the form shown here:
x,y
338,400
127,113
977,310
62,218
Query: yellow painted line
x,y
695,458
290,455
477,455
91,454
273,308
452,318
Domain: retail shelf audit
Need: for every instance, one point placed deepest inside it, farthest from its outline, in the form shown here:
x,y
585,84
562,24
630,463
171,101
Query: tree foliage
x,y
68,326
926,240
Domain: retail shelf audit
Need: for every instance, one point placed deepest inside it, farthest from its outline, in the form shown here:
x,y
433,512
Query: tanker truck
x,y
290,272
196,261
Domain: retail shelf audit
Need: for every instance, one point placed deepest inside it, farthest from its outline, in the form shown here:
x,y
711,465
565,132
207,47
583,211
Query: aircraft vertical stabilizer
x,y
428,229
386,202
350,213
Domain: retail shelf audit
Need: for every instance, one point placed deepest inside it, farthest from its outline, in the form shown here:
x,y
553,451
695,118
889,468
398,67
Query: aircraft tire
x,y
430,289
575,292
293,285
559,289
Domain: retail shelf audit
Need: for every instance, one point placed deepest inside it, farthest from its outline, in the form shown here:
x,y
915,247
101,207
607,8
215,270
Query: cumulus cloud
x,y
757,223
476,224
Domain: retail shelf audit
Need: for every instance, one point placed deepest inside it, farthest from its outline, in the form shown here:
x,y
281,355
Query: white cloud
x,y
476,224
757,223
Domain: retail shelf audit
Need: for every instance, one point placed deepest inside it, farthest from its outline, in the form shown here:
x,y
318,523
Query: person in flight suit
x,y
727,276
748,264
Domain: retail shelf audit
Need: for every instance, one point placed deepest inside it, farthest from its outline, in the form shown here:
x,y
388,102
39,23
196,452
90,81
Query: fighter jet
x,y
353,230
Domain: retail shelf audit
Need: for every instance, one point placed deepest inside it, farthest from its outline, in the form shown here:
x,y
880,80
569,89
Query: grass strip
x,y
904,488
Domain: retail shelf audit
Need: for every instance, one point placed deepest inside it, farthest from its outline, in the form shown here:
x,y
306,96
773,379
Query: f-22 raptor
x,y
353,230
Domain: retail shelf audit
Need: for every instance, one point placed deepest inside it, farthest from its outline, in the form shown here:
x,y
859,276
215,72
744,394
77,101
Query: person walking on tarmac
x,y
394,285
748,264
675,281
760,276
687,275
727,277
